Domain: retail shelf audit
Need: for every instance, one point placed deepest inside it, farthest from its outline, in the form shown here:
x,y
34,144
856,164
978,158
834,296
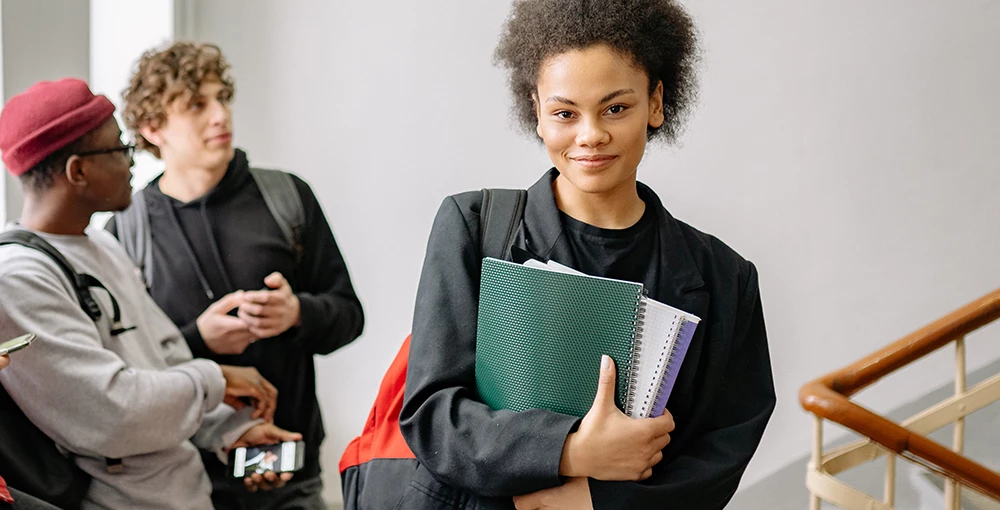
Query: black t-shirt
x,y
623,254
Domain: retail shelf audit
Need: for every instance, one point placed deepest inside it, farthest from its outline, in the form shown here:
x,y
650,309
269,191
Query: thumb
x,y
274,280
227,303
283,435
605,384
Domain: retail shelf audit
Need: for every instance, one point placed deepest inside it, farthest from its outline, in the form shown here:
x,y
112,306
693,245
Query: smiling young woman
x,y
595,80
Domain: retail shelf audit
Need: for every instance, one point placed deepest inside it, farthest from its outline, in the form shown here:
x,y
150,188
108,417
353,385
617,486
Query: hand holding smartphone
x,y
278,458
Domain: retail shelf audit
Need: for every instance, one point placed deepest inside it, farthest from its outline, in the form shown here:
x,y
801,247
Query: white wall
x,y
121,30
847,148
41,40
98,41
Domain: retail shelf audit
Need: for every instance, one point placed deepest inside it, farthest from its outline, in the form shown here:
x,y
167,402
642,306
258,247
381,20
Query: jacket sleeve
x,y
331,314
221,428
707,473
85,396
455,436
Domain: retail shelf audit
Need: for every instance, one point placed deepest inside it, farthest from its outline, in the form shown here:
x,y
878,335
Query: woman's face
x,y
593,108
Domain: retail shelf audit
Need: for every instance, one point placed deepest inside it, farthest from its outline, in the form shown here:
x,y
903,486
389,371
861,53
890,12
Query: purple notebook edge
x,y
670,377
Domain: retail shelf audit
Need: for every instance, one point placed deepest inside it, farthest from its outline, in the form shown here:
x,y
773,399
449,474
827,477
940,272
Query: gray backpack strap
x,y
499,218
134,234
285,203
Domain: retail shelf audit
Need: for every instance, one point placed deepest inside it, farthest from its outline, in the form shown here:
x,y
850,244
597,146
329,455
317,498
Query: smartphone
x,y
280,458
16,344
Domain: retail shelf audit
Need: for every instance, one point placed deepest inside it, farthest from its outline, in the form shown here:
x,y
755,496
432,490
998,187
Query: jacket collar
x,y
542,234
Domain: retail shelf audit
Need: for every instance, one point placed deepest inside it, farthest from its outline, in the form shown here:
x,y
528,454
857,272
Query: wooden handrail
x,y
827,397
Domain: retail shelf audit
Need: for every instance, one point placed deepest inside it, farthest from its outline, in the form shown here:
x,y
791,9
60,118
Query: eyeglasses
x,y
128,150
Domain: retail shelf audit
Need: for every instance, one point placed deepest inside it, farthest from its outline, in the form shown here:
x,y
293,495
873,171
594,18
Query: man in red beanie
x,y
129,403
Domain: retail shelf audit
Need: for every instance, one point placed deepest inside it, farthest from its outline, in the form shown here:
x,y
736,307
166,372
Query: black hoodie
x,y
228,240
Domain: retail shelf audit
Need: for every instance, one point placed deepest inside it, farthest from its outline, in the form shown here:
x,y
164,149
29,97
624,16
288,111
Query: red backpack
x,y
380,450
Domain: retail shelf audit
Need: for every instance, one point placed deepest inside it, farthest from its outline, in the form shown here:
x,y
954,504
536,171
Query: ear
x,y
538,113
656,117
151,134
75,172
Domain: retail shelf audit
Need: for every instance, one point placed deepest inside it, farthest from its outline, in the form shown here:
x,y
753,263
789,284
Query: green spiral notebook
x,y
541,334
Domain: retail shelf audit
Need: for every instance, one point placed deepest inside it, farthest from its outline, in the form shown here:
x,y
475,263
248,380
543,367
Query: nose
x,y
592,133
220,113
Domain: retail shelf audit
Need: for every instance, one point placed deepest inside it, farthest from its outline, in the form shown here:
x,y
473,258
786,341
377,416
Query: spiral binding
x,y
673,352
638,321
671,357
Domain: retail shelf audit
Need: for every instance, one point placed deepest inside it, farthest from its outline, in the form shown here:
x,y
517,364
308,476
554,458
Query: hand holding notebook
x,y
609,445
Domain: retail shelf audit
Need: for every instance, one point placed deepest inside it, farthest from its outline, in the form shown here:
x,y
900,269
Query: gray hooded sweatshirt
x,y
138,396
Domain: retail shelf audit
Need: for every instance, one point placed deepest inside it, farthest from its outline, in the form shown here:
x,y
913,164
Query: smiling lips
x,y
594,160
223,138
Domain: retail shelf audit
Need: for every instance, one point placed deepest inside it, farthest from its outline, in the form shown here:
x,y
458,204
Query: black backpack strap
x,y
68,483
82,282
285,203
499,218
134,233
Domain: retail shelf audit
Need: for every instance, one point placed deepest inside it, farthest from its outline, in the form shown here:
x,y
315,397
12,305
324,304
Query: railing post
x,y
890,478
953,490
817,458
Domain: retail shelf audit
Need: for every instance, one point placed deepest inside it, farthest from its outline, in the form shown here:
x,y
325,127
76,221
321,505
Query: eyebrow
x,y
605,99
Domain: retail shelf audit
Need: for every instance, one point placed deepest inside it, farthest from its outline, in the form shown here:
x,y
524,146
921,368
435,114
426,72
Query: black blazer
x,y
473,457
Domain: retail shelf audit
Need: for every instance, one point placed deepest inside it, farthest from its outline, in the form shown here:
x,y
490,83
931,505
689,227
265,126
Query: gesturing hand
x,y
611,446
269,313
247,382
223,333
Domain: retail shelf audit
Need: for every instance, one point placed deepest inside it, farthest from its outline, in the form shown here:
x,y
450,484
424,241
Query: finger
x,y
259,322
234,401
249,484
275,281
605,396
271,477
258,412
657,457
666,415
227,303
286,477
261,297
269,388
266,332
230,324
527,502
284,435
646,474
252,309
267,408
270,402
660,442
660,425
4,361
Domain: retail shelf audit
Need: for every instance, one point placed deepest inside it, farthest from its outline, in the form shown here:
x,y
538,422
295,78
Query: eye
x,y
196,106
564,114
616,109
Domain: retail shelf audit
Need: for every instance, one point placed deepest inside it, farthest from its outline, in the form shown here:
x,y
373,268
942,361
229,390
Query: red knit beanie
x,y
47,117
